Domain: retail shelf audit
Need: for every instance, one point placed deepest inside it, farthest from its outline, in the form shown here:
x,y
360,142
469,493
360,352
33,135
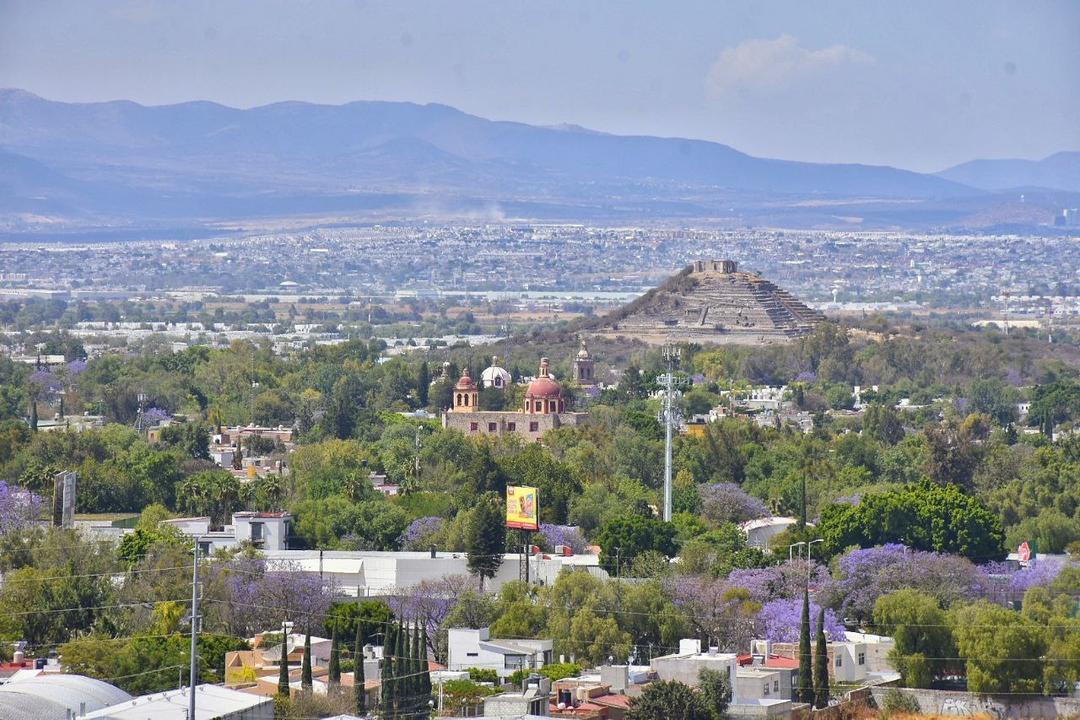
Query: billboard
x,y
522,511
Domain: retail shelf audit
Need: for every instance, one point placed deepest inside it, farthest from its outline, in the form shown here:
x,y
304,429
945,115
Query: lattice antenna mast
x,y
671,355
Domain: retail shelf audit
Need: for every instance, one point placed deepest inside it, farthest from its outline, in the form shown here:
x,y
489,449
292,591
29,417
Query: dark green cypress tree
x,y
387,672
305,670
335,661
806,678
401,664
283,670
408,687
400,669
485,538
358,670
423,383
425,673
821,665
420,705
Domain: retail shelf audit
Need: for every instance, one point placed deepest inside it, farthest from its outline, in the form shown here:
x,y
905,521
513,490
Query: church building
x,y
544,406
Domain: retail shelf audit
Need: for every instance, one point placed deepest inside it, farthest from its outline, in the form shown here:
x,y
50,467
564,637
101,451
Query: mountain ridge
x,y
58,133
1057,171
200,162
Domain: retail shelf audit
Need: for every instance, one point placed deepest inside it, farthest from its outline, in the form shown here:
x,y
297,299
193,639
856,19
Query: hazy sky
x,y
917,84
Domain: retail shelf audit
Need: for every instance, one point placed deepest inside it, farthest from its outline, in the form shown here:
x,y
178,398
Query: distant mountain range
x,y
121,163
1060,171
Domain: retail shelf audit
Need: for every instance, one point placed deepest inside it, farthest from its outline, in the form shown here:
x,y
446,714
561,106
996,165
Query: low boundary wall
x,y
1012,707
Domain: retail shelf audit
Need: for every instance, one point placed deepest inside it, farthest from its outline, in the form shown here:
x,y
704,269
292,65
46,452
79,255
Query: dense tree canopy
x,y
924,517
913,499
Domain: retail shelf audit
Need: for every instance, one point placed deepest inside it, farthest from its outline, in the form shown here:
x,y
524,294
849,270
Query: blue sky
x,y
916,84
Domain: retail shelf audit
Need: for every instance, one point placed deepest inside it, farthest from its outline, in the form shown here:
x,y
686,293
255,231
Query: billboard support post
x,y
523,573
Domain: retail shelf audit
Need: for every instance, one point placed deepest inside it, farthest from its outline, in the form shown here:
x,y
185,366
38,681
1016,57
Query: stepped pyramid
x,y
712,302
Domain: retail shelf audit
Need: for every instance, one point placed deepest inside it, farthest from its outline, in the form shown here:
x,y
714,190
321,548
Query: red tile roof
x,y
620,701
773,661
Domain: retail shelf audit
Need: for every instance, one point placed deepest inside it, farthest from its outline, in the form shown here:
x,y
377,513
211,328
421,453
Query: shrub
x,y
553,672
896,701
483,675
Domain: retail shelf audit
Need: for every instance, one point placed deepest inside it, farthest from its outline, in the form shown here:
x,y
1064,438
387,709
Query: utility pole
x,y
671,355
194,670
416,469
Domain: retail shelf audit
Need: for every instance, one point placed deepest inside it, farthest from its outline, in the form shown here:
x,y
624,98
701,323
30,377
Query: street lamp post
x,y
790,548
808,560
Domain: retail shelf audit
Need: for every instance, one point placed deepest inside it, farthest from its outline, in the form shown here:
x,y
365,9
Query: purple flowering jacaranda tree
x,y
419,534
868,573
727,502
780,621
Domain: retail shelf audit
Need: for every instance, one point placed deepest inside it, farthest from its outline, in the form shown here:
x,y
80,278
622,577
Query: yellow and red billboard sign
x,y
522,509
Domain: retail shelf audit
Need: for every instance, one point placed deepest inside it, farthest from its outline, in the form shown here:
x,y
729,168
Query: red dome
x,y
465,382
544,387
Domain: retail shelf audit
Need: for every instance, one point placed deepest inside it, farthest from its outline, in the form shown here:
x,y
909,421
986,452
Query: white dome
x,y
495,377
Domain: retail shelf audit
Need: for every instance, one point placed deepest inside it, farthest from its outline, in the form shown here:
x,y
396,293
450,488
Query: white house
x,y
765,398
757,691
874,650
266,531
757,682
223,456
858,659
685,665
474,648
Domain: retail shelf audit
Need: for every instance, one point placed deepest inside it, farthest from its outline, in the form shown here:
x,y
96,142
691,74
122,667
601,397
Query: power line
x,y
8,579
89,607
145,672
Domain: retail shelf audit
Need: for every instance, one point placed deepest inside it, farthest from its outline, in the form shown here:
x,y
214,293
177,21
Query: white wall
x,y
274,530
370,573
849,669
464,651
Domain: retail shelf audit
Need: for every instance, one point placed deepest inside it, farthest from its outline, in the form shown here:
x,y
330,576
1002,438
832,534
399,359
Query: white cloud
x,y
765,68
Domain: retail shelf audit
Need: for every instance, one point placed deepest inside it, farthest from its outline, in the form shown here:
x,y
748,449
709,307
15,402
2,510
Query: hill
x,y
1060,171
712,302
203,160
